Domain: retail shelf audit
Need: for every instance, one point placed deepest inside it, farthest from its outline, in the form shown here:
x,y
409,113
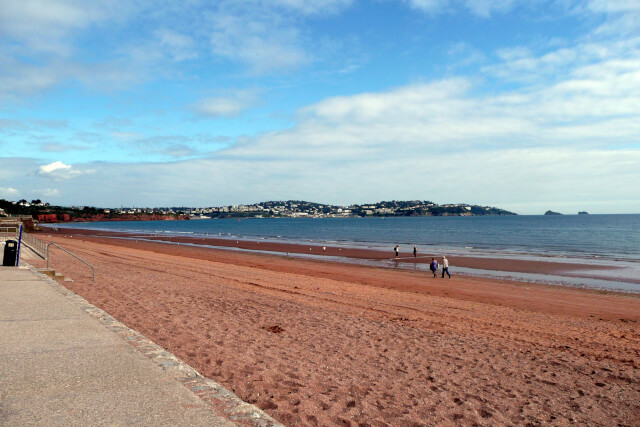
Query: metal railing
x,y
93,271
35,244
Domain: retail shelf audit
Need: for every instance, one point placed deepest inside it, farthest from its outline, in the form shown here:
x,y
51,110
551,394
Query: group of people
x,y
433,265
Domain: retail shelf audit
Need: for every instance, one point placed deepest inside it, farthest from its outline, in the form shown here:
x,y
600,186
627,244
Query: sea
x,y
600,240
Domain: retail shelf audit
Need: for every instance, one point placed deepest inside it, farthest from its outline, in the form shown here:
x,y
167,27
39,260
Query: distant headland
x,y
304,209
46,213
552,213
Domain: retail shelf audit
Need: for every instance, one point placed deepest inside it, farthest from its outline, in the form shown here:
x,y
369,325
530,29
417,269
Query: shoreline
x,y
541,271
255,253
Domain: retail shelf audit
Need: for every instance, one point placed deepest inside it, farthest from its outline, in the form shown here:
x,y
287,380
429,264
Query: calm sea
x,y
597,239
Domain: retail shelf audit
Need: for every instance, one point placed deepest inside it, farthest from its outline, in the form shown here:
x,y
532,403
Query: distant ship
x,y
583,213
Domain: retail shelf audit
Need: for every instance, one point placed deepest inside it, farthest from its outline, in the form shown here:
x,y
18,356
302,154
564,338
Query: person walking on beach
x,y
445,266
396,251
415,251
434,266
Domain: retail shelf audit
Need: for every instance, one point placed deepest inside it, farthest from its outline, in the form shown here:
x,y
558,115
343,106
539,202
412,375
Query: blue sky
x,y
525,105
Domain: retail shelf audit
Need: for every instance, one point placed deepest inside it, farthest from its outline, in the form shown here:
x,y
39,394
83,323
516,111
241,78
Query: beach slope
x,y
321,343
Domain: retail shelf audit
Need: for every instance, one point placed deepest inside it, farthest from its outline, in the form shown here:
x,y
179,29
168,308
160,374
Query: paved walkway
x,y
63,362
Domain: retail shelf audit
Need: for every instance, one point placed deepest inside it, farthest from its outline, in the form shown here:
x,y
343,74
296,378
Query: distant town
x,y
303,209
44,212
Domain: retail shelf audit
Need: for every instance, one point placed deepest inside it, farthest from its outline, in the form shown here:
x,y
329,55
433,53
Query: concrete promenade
x,y
63,362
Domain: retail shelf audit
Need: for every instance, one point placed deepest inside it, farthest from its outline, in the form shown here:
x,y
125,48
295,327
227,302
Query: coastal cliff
x,y
61,218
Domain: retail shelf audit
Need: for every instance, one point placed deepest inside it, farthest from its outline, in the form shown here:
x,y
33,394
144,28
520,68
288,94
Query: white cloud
x,y
226,106
46,26
113,123
310,7
267,36
464,55
591,106
32,124
482,8
485,8
18,77
178,151
55,147
171,147
621,17
520,64
488,8
179,46
220,107
60,171
613,6
428,5
9,192
159,51
53,167
265,42
126,136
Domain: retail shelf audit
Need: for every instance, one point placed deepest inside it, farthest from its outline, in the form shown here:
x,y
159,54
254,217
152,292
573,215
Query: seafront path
x,y
65,362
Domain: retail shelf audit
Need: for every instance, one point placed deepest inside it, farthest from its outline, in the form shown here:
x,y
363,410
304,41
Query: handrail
x,y
93,271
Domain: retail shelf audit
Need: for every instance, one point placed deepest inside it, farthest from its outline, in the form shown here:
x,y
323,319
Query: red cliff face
x,y
55,218
47,218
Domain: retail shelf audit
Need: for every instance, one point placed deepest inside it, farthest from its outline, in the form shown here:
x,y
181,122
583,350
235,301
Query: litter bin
x,y
10,253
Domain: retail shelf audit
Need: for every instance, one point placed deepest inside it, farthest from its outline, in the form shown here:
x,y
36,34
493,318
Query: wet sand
x,y
485,263
323,343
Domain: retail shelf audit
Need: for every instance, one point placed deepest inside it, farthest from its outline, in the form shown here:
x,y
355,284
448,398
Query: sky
x,y
526,105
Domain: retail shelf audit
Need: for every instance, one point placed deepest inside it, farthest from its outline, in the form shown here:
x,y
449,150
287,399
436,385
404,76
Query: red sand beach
x,y
322,343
